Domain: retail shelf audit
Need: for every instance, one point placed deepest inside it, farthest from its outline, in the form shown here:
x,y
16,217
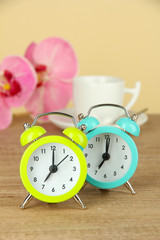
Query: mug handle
x,y
135,92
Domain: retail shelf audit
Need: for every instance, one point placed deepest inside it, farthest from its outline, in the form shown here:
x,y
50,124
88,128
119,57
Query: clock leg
x,y
26,201
78,200
129,186
84,185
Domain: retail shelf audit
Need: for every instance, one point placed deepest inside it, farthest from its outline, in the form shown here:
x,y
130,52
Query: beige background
x,y
111,37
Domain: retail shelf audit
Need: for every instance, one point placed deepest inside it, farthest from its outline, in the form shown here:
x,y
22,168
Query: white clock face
x,y
108,157
53,169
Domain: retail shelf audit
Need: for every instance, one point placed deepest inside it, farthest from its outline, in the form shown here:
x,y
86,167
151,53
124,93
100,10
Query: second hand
x,y
62,160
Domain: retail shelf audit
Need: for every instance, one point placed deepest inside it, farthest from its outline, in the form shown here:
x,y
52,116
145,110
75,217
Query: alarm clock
x,y
53,168
111,153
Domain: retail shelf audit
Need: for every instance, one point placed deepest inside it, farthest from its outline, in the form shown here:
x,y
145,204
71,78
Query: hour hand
x,y
105,158
100,165
52,169
47,176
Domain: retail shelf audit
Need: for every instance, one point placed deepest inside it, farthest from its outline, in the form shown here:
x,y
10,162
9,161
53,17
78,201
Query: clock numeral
x,y
125,157
115,173
53,189
43,185
116,140
98,139
74,168
71,158
31,168
53,148
35,158
88,165
86,154
43,150
90,145
71,179
105,175
64,150
63,186
122,166
107,136
34,179
123,147
95,172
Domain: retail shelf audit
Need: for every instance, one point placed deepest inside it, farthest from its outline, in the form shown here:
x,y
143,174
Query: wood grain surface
x,y
110,214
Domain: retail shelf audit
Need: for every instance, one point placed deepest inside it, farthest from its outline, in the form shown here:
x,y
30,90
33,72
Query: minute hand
x,y
107,144
105,155
53,158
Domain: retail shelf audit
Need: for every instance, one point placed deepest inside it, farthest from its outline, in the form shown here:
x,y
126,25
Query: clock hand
x,y
47,176
53,158
105,155
100,165
107,144
52,168
62,160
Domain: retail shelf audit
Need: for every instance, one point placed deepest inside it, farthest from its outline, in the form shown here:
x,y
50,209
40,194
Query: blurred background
x,y
110,37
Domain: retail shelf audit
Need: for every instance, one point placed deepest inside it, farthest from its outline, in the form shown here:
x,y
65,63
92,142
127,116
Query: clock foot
x,y
129,186
84,185
78,200
26,201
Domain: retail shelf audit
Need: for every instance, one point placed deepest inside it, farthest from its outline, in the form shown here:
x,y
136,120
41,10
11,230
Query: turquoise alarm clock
x,y
111,153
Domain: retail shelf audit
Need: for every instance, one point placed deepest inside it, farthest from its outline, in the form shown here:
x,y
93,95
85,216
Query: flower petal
x,y
59,56
30,52
49,98
25,76
5,114
56,96
35,104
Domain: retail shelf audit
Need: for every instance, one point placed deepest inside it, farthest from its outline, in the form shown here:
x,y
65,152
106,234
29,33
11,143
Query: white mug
x,y
92,90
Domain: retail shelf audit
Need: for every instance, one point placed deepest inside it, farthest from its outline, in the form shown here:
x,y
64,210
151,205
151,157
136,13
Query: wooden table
x,y
110,214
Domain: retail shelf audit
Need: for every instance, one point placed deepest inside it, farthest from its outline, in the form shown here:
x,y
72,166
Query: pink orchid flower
x,y
55,63
17,82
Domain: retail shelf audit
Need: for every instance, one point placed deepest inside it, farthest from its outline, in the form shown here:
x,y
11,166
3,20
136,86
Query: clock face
x,y
53,169
65,172
111,157
108,157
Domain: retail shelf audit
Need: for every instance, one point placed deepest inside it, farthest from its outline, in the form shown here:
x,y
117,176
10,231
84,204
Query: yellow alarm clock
x,y
53,168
